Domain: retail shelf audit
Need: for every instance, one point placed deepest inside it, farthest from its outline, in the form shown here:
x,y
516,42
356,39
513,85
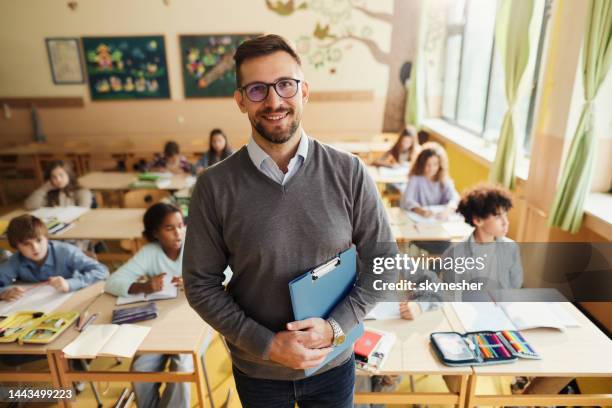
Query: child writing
x,y
171,160
218,150
163,255
61,189
403,151
429,184
61,265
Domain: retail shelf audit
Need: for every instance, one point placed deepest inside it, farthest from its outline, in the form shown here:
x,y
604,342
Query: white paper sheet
x,y
479,316
169,291
62,214
384,311
40,298
125,341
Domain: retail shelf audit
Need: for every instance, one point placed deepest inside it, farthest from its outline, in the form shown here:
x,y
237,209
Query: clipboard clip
x,y
324,269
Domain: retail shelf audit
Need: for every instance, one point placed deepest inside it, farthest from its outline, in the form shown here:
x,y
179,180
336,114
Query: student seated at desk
x,y
61,265
429,183
486,207
165,231
171,161
218,150
403,152
61,189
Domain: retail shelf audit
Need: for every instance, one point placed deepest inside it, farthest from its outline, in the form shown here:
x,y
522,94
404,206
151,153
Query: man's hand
x,y
410,310
12,293
60,284
288,349
320,333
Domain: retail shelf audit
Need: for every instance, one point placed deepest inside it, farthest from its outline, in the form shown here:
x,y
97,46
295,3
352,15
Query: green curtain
x,y
512,43
568,206
416,86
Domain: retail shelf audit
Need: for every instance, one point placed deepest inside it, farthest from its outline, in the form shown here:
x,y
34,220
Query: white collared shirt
x,y
267,166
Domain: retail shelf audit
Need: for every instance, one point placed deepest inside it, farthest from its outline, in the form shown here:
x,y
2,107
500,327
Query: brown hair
x,y
428,150
213,157
484,200
261,46
409,131
154,218
25,227
53,196
171,148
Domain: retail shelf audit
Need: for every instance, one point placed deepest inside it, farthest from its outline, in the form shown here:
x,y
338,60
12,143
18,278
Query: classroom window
x,y
473,93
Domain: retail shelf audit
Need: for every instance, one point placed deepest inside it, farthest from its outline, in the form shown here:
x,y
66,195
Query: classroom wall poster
x,y
208,64
126,68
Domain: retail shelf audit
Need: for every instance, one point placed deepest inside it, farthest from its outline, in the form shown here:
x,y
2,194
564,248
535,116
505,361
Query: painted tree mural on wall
x,y
336,32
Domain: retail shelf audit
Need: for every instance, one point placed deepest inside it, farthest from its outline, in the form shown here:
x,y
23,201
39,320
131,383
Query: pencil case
x,y
35,327
481,348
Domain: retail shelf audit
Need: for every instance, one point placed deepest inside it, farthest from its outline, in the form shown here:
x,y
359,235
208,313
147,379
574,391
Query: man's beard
x,y
278,137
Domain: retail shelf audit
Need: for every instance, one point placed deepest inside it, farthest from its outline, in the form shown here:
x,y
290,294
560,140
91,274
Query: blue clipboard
x,y
317,292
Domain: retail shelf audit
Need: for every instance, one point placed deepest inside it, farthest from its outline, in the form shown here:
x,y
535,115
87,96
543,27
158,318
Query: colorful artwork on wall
x,y
126,68
208,64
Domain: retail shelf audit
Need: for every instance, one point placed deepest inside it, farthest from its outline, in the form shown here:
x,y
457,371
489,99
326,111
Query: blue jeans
x,y
176,395
331,389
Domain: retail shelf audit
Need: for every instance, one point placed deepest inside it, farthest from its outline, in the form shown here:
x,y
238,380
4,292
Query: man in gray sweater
x,y
275,209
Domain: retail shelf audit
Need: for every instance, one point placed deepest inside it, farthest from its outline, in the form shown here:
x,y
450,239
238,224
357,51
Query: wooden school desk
x,y
121,224
406,230
77,302
367,150
576,352
119,183
383,176
412,355
177,330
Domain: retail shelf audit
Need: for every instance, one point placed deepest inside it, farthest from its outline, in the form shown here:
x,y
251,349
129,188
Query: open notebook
x,y
480,316
435,209
39,297
170,291
107,340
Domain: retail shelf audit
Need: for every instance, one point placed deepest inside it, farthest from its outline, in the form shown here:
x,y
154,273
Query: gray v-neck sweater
x,y
269,234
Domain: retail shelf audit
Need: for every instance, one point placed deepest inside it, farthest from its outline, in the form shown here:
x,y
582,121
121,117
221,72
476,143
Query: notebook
x,y
107,340
479,316
169,291
365,346
40,297
380,352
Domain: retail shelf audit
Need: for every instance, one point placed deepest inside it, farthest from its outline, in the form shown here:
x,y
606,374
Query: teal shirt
x,y
151,260
63,259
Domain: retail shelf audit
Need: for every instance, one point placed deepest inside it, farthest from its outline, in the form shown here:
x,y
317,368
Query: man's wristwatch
x,y
339,336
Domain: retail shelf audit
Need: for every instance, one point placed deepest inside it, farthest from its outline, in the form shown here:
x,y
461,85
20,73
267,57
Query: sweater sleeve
x,y
83,198
8,271
38,198
204,260
450,196
373,238
86,270
119,282
516,270
408,200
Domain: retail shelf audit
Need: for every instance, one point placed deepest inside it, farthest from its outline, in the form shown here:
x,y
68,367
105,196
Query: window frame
x,y
534,88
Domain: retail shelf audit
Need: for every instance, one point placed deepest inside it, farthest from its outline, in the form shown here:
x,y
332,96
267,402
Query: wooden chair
x,y
143,198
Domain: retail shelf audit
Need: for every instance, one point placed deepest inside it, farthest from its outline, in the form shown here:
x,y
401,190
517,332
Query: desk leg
x,y
463,390
471,391
199,377
62,368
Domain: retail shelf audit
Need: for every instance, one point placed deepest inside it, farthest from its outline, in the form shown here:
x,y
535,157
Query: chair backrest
x,y
143,198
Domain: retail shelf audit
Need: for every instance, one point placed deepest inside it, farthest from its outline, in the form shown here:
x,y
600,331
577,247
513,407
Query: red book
x,y
366,345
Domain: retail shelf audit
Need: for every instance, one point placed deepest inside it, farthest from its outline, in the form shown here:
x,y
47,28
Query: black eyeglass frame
x,y
271,84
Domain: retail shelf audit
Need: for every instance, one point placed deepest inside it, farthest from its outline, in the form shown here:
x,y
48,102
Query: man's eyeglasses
x,y
258,91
